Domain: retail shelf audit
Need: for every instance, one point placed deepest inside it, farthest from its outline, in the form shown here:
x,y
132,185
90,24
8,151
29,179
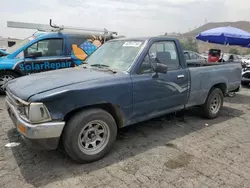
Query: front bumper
x,y
42,144
42,134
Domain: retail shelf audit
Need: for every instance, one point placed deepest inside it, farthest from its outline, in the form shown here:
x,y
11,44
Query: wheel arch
x,y
222,86
13,73
113,109
10,70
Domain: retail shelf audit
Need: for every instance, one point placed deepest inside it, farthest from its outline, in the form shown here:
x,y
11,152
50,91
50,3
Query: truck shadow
x,y
2,97
239,98
2,103
40,168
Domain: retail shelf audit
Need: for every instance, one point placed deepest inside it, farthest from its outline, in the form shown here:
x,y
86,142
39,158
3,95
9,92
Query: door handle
x,y
180,76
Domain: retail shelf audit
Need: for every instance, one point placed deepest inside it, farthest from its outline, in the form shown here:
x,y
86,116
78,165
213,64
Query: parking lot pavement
x,y
164,152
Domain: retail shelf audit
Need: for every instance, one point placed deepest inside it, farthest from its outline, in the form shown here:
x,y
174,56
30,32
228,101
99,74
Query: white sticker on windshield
x,y
132,44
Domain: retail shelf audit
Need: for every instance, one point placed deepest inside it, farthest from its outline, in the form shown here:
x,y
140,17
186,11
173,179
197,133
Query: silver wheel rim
x,y
93,137
215,104
4,79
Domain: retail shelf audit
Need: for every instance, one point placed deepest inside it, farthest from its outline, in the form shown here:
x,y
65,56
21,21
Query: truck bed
x,y
203,77
191,63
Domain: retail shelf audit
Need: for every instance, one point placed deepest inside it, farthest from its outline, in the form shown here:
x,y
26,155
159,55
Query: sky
x,y
127,17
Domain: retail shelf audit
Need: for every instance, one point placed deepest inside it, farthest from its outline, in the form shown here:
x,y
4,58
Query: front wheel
x,y
89,135
6,76
214,103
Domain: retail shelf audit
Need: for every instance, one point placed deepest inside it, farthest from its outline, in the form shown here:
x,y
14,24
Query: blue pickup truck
x,y
45,51
124,82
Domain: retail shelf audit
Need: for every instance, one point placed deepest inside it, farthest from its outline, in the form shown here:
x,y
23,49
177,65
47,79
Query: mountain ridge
x,y
245,25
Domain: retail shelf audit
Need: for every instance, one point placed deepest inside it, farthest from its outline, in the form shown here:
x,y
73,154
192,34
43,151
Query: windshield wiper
x,y
106,67
83,64
99,65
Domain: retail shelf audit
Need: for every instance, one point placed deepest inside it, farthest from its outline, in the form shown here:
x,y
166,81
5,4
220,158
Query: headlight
x,y
37,113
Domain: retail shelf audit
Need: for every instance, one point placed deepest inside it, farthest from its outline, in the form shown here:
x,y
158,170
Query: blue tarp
x,y
225,35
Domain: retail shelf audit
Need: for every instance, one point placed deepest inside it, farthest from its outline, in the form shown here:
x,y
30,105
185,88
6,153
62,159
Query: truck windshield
x,y
118,55
19,44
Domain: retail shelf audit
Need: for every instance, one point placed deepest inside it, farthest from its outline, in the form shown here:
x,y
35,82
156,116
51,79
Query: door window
x,y
48,47
169,51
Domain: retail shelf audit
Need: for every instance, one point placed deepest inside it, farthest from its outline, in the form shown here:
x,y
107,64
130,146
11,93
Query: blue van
x,y
45,51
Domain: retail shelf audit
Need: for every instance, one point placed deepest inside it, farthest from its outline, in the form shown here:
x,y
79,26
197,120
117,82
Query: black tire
x,y
4,74
74,127
206,107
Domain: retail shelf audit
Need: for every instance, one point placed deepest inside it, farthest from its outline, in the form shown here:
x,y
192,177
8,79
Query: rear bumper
x,y
44,135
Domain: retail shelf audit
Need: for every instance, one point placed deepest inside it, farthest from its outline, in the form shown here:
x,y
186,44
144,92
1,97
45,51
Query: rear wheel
x,y
214,103
89,135
6,76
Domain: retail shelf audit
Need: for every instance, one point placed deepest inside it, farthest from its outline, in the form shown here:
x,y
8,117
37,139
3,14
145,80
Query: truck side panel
x,y
204,78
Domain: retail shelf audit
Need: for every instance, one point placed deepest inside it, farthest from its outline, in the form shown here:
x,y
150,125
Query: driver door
x,y
45,55
155,95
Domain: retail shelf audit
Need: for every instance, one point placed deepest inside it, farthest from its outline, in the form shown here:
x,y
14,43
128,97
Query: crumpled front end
x,y
44,134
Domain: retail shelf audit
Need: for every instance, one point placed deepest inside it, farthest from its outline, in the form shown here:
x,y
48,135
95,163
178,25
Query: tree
x,y
190,44
247,52
233,51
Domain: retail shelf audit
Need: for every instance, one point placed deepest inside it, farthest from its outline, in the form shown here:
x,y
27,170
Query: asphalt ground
x,y
164,152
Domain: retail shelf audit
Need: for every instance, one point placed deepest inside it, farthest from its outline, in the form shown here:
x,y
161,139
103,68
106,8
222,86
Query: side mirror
x,y
158,64
34,55
159,67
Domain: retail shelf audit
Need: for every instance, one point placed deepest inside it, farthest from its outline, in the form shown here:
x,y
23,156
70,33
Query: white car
x,y
246,59
246,75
